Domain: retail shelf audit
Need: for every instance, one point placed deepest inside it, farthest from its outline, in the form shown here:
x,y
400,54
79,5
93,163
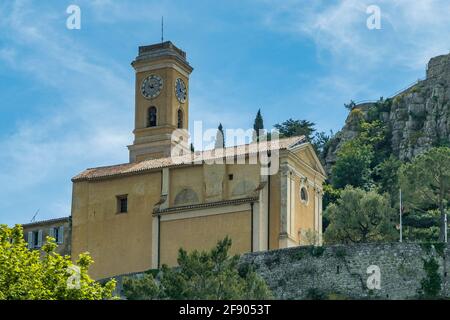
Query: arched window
x,y
152,117
303,194
180,119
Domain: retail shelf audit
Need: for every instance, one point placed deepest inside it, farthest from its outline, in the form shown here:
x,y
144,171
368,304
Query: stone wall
x,y
338,272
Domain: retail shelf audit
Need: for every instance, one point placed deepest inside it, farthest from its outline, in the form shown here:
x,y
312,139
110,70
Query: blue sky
x,y
67,95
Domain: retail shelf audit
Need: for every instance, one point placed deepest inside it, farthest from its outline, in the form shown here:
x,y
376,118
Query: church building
x,y
135,216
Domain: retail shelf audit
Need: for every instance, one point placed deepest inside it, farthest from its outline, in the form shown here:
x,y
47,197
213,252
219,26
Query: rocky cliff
x,y
417,118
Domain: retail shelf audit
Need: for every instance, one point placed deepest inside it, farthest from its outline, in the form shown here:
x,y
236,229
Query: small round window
x,y
304,194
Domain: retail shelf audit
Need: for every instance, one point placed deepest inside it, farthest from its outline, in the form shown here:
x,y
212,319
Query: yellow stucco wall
x,y
249,175
305,212
165,115
118,243
304,219
122,243
246,178
187,177
202,233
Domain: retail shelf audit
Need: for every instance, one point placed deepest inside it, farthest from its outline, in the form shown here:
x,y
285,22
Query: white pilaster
x,y
165,194
292,191
320,218
286,201
260,218
155,239
165,188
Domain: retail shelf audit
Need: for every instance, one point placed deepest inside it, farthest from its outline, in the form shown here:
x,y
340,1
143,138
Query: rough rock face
x,y
418,118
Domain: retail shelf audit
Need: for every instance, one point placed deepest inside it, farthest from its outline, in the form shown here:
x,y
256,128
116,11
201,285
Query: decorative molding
x,y
205,211
161,66
174,210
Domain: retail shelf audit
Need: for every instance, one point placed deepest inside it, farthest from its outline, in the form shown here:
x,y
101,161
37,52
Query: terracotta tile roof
x,y
195,158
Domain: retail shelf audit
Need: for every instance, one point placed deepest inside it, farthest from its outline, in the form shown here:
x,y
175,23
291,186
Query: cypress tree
x,y
220,137
258,124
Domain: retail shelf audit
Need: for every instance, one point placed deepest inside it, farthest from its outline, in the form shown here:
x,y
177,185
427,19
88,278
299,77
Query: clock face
x,y
151,86
180,90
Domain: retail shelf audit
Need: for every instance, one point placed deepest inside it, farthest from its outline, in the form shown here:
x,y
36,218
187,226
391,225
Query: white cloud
x,y
87,121
359,63
412,31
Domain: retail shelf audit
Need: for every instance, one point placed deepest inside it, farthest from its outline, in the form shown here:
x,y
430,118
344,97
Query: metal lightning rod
x,y
162,29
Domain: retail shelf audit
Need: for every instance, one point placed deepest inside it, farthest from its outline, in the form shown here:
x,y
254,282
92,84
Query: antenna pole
x,y
34,217
162,29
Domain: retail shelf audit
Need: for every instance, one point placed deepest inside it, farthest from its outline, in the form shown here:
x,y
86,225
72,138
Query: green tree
x,y
201,275
360,216
386,176
292,128
258,124
425,183
320,142
44,275
330,195
377,135
421,226
352,165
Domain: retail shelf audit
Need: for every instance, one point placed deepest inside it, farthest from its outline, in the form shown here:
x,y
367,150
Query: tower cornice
x,y
161,52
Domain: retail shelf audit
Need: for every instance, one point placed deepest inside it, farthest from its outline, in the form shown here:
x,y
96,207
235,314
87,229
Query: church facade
x,y
135,216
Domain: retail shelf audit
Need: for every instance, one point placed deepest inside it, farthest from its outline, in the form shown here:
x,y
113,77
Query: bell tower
x,y
161,100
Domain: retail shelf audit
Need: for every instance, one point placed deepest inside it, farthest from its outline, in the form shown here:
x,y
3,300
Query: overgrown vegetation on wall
x,y
200,275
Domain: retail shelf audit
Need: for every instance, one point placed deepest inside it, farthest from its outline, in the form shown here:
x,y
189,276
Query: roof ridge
x,y
191,158
45,221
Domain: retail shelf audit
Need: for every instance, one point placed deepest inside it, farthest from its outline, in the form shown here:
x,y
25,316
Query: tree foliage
x,y
200,275
360,216
386,176
367,161
321,141
352,166
258,125
330,195
292,128
426,183
421,226
44,275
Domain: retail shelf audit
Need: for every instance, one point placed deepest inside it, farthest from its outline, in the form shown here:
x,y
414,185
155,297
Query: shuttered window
x,y
51,233
39,242
30,240
60,235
